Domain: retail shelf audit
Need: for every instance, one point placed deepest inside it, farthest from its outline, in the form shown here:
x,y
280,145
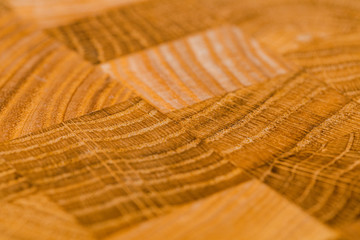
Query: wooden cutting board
x,y
180,119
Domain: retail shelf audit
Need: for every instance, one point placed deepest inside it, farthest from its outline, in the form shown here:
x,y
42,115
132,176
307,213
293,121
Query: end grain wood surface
x,y
180,119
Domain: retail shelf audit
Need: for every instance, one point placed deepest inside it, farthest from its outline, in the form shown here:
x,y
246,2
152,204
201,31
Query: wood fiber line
x,y
248,211
211,63
12,184
141,25
62,11
253,125
321,178
247,123
125,164
336,61
28,214
43,83
35,217
119,166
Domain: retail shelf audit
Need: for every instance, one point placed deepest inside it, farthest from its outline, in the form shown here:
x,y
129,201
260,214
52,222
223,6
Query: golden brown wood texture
x,y
132,162
201,66
43,83
180,119
237,213
62,11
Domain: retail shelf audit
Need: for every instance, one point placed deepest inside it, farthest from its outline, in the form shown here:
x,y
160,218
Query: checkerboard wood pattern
x,y
180,119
